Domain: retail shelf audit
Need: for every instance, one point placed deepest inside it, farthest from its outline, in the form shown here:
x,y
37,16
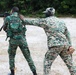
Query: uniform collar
x,y
14,14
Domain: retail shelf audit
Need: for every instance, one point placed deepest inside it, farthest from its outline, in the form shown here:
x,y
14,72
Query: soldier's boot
x,y
12,72
34,73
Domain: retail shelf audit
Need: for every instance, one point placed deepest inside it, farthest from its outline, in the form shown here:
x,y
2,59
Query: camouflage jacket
x,y
7,22
55,29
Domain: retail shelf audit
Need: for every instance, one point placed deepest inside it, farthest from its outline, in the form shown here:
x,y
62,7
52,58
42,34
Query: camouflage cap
x,y
50,9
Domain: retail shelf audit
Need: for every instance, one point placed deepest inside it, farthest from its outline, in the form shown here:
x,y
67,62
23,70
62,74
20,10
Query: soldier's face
x,y
47,14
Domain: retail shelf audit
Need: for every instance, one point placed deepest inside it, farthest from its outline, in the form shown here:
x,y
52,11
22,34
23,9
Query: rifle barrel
x,y
1,15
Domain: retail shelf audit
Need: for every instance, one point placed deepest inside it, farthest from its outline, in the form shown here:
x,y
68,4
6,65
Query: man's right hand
x,y
70,50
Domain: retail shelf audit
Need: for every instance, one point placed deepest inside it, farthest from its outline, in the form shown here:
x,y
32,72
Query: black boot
x,y
12,72
34,73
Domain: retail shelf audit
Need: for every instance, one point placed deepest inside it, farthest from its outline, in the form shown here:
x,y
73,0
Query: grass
x,y
66,15
41,15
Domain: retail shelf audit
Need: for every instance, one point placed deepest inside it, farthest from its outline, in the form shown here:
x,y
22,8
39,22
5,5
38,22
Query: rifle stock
x,y
1,15
1,28
4,15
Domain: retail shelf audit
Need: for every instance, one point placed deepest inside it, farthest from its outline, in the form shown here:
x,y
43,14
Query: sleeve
x,y
22,19
67,34
23,22
36,22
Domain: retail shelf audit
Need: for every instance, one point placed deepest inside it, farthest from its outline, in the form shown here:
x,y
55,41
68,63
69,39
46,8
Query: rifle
x,y
1,28
4,15
1,15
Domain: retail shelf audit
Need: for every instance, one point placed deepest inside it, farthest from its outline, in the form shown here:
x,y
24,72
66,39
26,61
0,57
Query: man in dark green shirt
x,y
16,32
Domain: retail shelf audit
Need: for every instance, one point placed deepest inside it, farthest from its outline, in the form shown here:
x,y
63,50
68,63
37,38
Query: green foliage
x,y
3,5
37,6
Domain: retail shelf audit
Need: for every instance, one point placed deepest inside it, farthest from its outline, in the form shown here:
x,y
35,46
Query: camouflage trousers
x,y
52,53
13,44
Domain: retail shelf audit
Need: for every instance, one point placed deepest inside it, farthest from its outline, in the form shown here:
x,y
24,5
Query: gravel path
x,y
37,42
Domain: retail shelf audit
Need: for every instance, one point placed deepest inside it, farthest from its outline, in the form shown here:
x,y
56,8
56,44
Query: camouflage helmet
x,y
50,10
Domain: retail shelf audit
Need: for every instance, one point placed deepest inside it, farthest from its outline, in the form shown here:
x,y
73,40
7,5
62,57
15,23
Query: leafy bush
x,y
37,6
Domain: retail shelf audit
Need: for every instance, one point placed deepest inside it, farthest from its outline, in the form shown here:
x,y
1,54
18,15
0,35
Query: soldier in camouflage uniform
x,y
58,39
14,43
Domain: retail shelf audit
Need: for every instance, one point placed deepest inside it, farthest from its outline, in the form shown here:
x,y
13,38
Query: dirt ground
x,y
37,42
